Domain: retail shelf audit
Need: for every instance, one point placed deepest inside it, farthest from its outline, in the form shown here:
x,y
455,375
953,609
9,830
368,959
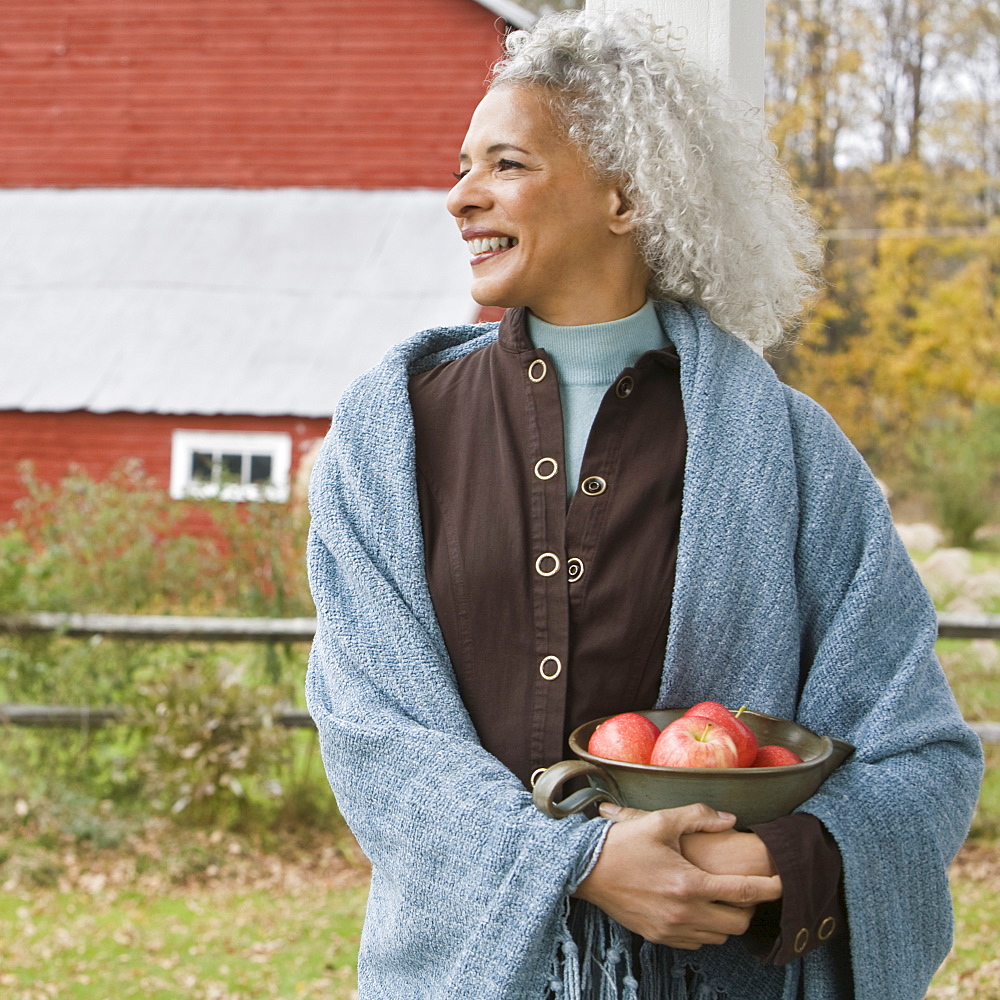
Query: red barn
x,y
214,214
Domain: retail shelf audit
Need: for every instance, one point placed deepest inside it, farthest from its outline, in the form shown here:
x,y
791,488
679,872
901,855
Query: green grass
x,y
972,969
986,822
197,944
973,670
299,940
986,557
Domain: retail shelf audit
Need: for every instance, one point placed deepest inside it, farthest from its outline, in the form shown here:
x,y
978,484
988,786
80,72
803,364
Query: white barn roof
x,y
216,301
512,12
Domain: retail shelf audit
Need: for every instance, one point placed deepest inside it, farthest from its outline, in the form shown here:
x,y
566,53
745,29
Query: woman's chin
x,y
494,297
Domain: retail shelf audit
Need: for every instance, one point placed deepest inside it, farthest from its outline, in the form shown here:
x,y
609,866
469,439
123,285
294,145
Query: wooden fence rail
x,y
202,628
178,628
981,626
83,717
206,629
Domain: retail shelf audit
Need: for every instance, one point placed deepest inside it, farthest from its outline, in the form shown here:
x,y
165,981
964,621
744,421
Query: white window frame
x,y
185,443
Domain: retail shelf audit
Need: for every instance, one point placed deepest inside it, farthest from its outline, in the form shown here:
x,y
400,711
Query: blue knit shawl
x,y
787,559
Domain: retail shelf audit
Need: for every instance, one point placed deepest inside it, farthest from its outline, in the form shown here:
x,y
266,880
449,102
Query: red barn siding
x,y
246,93
96,442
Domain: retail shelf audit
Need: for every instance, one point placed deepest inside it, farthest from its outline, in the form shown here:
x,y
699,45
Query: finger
x,y
722,918
618,814
743,890
686,944
696,818
689,938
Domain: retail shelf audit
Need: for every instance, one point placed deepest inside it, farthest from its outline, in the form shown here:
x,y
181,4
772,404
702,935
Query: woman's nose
x,y
467,194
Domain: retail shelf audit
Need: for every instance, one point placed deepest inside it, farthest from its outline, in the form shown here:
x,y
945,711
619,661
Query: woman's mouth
x,y
484,247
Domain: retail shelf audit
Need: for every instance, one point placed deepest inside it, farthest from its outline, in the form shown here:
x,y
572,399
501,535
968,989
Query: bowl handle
x,y
550,783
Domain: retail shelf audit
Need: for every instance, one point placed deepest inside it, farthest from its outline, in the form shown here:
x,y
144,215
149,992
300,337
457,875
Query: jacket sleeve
x,y
809,913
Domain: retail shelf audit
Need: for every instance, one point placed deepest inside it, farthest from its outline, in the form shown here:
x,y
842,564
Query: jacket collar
x,y
513,338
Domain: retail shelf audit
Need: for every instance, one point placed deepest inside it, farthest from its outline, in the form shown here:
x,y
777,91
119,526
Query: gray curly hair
x,y
719,222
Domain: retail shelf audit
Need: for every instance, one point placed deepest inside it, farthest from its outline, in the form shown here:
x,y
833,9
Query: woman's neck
x,y
595,353
590,310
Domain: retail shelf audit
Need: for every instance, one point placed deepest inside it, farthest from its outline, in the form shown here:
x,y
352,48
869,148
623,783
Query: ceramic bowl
x,y
753,794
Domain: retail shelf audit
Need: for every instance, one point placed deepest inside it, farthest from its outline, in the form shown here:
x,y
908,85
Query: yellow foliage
x,y
906,334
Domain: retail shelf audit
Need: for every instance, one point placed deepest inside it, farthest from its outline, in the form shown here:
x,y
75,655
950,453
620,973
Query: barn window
x,y
230,465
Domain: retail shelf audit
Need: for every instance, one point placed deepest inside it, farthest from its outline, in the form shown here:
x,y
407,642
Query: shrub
x,y
123,545
199,736
115,545
958,467
207,742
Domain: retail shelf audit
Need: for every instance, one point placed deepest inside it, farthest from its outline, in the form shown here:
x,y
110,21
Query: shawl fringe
x,y
606,971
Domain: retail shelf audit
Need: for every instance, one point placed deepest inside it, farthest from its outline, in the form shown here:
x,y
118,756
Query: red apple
x,y
743,736
627,737
694,741
774,756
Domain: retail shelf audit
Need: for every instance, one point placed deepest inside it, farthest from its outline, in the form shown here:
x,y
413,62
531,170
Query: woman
x,y
722,541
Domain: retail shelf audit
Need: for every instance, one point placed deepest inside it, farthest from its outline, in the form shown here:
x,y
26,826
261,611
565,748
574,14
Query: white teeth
x,y
479,246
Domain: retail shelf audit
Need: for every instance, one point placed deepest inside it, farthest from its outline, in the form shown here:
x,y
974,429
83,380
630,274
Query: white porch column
x,y
725,36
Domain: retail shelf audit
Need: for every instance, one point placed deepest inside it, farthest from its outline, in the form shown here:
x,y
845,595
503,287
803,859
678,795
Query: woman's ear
x,y
622,220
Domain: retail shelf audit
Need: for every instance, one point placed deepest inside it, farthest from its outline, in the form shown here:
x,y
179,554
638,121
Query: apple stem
x,y
704,736
741,710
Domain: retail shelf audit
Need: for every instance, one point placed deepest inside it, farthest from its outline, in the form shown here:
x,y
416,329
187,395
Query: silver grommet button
x,y
625,386
826,928
550,668
546,468
536,774
537,370
593,486
547,564
574,569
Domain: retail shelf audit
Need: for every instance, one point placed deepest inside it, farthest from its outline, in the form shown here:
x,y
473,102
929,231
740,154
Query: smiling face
x,y
543,231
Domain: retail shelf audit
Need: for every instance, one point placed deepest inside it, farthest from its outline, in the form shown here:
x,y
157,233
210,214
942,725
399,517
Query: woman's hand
x,y
643,881
728,853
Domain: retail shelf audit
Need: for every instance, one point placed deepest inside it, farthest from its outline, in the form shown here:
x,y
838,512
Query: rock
x,y
945,574
987,651
984,587
948,564
920,537
962,604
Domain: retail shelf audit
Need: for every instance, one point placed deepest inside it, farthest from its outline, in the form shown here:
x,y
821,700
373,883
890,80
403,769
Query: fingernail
x,y
609,809
725,815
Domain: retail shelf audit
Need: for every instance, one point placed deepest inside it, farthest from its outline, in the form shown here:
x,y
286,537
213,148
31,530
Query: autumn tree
x,y
918,318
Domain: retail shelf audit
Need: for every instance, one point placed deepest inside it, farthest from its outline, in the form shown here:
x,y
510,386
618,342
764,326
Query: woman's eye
x,y
460,175
509,165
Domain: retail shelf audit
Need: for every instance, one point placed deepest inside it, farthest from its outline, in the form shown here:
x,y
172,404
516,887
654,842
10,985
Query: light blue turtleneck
x,y
587,360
